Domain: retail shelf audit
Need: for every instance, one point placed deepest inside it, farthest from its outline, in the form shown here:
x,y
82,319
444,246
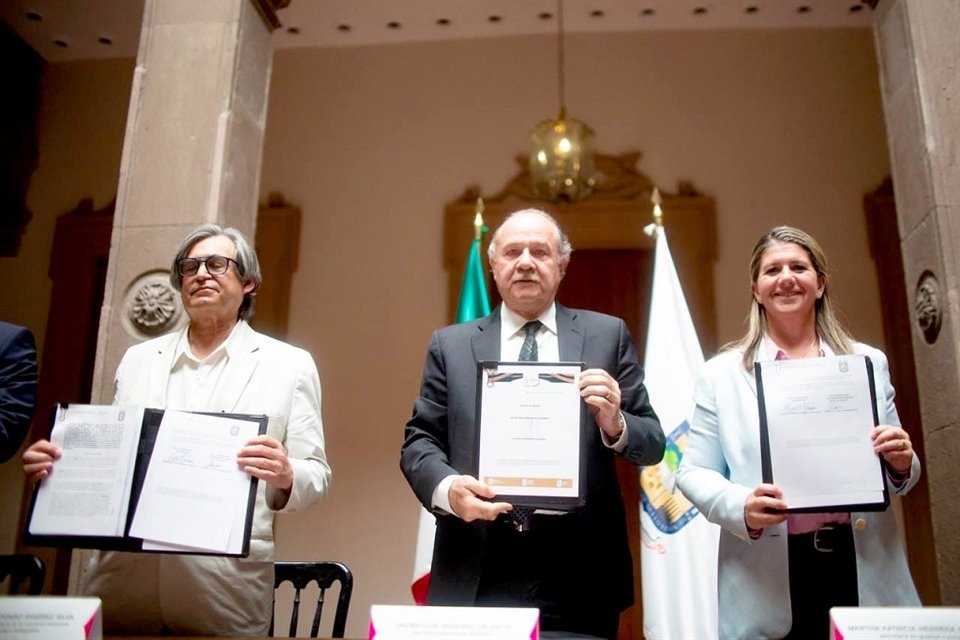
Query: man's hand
x,y
38,460
764,507
466,499
265,458
601,392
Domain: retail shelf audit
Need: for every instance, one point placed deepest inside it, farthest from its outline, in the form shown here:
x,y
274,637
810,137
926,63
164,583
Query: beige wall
x,y
779,127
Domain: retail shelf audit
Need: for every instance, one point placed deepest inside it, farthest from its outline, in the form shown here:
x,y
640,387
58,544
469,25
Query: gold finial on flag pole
x,y
657,211
478,220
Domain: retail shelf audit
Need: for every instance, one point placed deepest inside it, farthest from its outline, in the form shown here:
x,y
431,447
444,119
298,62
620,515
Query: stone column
x,y
919,54
191,154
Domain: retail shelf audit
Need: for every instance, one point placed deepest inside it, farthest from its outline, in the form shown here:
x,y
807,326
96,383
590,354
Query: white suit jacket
x,y
262,376
721,466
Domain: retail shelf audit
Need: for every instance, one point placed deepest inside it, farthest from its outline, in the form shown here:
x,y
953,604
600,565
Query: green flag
x,y
474,301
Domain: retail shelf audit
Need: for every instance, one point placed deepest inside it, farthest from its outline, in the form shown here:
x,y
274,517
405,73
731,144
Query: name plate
x,y
394,622
50,618
889,623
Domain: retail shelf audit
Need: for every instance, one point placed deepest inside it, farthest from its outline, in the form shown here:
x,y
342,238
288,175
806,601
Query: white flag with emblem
x,y
678,547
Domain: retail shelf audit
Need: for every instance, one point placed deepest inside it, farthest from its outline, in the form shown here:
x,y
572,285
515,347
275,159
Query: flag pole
x,y
478,220
676,540
656,226
657,211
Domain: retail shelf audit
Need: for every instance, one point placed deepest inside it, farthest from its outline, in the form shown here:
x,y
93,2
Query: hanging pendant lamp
x,y
562,156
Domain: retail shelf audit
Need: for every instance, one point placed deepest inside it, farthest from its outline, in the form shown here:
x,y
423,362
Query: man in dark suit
x,y
575,567
18,386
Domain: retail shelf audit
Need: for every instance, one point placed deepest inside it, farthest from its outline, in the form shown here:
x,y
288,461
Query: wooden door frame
x,y
77,270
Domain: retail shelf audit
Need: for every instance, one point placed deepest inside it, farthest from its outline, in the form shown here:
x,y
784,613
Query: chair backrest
x,y
23,567
325,574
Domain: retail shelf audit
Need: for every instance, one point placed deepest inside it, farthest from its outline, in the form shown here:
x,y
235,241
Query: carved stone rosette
x,y
152,305
928,307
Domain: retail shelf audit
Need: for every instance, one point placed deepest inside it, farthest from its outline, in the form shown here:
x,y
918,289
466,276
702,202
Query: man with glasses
x,y
216,363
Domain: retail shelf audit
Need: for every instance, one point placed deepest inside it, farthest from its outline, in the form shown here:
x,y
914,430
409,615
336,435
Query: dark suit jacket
x,y
590,544
18,386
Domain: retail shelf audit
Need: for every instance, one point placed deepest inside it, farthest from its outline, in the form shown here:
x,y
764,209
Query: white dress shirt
x,y
192,379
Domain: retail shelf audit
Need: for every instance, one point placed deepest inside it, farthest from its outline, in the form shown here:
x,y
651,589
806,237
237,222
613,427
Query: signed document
x,y
816,416
141,479
194,495
529,436
87,492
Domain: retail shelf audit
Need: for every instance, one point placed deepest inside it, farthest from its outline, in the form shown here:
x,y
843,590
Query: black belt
x,y
826,539
526,519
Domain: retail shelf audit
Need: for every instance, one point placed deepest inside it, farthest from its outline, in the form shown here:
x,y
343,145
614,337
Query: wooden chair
x,y
23,567
301,574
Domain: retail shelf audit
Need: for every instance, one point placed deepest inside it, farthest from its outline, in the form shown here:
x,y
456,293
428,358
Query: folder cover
x,y
816,416
91,498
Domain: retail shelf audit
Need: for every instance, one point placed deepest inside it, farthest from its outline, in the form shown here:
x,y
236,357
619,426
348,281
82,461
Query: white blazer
x,y
262,376
721,466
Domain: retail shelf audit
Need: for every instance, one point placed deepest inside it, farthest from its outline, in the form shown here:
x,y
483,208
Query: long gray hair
x,y
248,266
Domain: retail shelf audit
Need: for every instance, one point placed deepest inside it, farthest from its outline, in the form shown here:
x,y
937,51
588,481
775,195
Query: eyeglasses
x,y
216,265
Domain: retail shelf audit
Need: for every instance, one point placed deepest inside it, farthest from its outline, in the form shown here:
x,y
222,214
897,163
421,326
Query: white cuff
x,y
620,443
441,495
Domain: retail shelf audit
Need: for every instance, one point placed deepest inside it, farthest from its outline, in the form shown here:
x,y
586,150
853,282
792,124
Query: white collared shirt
x,y
192,379
512,335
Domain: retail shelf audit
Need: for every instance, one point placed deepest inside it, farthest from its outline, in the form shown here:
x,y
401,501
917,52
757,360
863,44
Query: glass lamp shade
x,y
562,159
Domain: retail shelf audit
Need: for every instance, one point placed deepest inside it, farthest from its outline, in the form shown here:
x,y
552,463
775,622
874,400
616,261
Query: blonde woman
x,y
779,575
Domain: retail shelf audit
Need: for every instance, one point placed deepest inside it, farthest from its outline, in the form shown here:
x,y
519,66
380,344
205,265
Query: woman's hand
x,y
893,444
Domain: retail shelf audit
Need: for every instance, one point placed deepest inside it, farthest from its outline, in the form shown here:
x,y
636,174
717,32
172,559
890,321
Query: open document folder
x,y
136,479
816,416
